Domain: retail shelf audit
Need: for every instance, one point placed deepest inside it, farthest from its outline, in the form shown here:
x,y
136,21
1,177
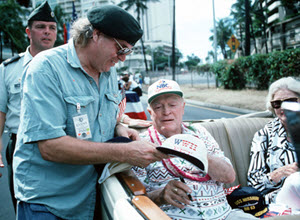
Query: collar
x,y
27,57
72,57
73,60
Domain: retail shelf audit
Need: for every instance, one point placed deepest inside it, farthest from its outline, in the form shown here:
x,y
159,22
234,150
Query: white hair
x,y
289,83
82,31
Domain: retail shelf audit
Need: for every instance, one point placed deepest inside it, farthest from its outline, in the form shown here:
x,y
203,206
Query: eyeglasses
x,y
277,103
123,50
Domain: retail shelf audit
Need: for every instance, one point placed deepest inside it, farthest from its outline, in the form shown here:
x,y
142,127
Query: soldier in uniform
x,y
41,31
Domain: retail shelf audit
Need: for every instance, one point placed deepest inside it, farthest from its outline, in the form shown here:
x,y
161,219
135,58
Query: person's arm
x,y
70,150
127,85
219,166
257,172
2,123
277,175
134,122
220,170
121,130
3,109
174,193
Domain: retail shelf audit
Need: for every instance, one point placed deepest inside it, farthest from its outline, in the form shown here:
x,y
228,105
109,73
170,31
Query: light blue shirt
x,y
53,85
10,87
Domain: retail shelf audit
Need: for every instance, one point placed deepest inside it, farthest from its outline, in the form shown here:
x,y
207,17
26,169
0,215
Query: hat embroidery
x,y
249,204
52,14
162,85
185,144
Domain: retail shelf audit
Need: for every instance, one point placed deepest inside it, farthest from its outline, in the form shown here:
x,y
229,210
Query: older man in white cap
x,y
179,187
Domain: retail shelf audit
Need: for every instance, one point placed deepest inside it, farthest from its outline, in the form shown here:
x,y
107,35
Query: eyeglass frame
x,y
122,51
274,106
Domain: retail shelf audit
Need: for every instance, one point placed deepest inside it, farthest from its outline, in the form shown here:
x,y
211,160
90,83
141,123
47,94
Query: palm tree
x,y
243,20
260,22
224,31
11,25
140,7
238,14
247,28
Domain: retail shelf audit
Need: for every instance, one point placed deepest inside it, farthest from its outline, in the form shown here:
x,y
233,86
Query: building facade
x,y
283,26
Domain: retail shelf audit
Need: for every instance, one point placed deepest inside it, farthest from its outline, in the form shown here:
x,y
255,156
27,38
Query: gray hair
x,y
82,31
289,83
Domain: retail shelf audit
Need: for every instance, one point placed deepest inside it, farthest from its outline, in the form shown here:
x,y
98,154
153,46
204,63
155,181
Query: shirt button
x,y
100,115
91,81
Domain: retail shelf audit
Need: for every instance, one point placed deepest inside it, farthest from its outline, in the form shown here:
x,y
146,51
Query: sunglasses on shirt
x,y
123,50
277,103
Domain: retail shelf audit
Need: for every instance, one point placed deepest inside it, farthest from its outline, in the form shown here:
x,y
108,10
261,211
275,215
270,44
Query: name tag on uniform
x,y
82,127
17,85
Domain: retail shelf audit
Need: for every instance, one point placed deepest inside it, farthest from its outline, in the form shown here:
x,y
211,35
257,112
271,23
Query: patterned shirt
x,y
209,196
270,150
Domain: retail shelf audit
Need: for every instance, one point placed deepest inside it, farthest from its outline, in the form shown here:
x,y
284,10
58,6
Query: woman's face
x,y
282,94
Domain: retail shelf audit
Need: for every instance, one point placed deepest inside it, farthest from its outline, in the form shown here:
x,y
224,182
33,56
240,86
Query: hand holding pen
x,y
188,194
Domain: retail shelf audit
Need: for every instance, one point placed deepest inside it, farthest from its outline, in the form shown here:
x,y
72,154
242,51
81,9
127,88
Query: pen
x,y
188,194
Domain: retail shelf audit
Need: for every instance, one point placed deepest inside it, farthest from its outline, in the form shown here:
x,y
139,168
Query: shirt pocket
x,y
15,90
86,107
15,94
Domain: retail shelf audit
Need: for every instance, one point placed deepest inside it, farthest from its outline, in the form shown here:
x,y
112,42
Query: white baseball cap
x,y
163,86
188,147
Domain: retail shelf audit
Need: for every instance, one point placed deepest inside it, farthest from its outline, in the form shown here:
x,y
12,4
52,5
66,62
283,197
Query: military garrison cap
x,y
42,13
115,22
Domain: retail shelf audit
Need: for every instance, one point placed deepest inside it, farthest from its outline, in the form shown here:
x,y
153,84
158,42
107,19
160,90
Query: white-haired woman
x,y
273,161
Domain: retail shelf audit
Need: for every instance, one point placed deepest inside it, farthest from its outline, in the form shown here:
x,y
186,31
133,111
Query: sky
x,y
194,20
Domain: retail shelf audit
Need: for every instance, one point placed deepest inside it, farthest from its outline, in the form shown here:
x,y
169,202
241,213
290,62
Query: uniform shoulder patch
x,y
11,60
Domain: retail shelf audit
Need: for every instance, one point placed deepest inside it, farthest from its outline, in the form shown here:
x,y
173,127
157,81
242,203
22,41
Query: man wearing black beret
x,y
68,113
41,31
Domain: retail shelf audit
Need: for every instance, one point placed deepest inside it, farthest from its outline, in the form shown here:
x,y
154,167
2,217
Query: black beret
x,y
42,13
115,22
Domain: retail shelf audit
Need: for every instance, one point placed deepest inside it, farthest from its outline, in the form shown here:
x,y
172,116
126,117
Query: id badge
x,y
82,126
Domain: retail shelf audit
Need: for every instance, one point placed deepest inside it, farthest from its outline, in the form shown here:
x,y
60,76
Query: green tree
x,y
161,60
140,7
260,22
61,18
12,27
224,31
247,28
291,5
210,56
256,22
238,14
192,61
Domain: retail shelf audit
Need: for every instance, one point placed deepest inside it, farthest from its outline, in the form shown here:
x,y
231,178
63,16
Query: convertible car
x,y
124,197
